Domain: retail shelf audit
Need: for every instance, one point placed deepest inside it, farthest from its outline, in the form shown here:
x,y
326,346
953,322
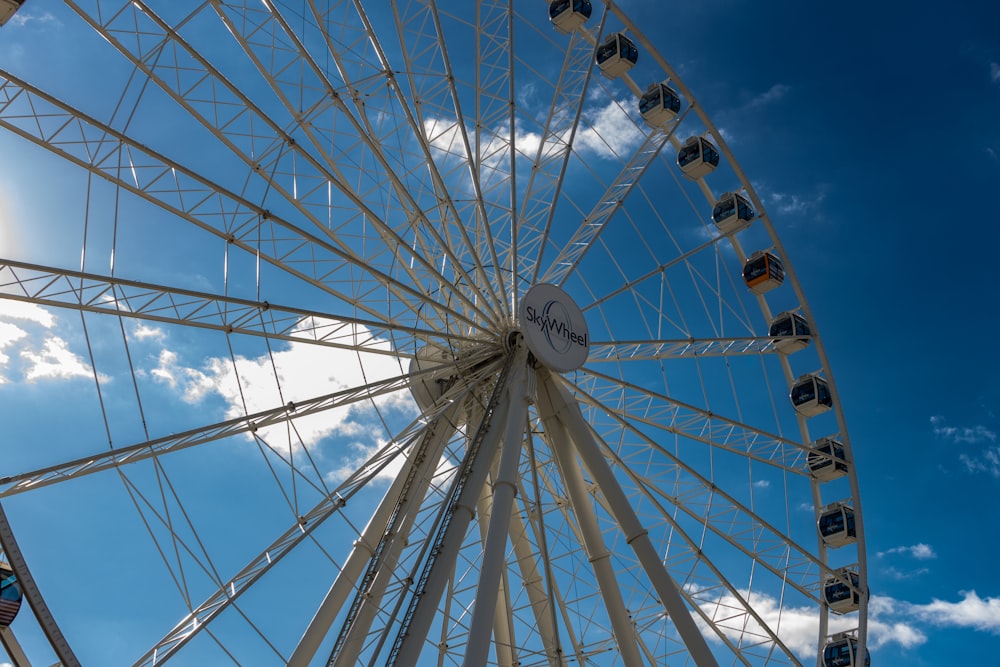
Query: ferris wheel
x,y
412,333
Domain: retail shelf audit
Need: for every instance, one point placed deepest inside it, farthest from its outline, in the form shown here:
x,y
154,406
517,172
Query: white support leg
x,y
568,412
532,581
412,642
504,490
503,625
364,547
583,509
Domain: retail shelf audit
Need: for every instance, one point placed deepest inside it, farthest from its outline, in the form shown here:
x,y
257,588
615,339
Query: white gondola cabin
x,y
763,272
836,525
659,105
790,331
568,15
616,55
827,460
842,651
811,396
430,386
732,212
698,157
7,9
843,597
10,595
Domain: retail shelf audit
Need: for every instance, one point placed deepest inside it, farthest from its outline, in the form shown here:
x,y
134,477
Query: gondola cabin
x,y
616,55
842,651
790,332
429,386
836,525
568,15
841,597
7,9
763,272
827,460
10,595
699,157
732,213
659,105
811,396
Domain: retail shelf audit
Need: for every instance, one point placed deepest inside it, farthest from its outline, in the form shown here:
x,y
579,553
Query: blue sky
x,y
870,132
847,116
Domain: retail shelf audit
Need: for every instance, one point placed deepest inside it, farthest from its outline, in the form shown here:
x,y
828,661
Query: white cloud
x,y
296,373
966,434
609,131
44,356
995,72
890,621
23,18
762,483
22,310
798,627
145,332
919,551
56,361
971,611
902,575
773,94
987,461
9,334
788,203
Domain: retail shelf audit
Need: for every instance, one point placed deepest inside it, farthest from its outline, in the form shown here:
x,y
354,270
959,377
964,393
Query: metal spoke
x,y
57,287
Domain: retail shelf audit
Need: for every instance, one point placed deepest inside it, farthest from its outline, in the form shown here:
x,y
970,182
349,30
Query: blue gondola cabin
x,y
616,55
842,651
790,332
843,597
732,213
827,460
836,525
763,271
698,157
659,105
810,396
569,15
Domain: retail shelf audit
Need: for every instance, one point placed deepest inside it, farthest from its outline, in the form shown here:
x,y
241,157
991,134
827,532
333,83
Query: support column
x,y
471,478
518,392
567,411
586,516
421,463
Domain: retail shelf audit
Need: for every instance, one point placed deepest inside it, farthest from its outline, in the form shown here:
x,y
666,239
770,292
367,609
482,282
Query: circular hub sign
x,y
554,328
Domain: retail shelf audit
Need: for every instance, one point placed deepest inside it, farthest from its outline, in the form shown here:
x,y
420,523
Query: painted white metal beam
x,y
566,411
551,411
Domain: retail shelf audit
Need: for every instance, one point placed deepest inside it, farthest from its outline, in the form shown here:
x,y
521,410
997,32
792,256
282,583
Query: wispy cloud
x,y
56,361
919,551
962,434
300,371
773,94
987,461
23,18
971,611
44,355
610,132
995,72
794,204
798,626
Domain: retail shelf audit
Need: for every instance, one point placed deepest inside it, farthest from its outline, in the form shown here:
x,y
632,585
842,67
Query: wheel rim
x,y
350,181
